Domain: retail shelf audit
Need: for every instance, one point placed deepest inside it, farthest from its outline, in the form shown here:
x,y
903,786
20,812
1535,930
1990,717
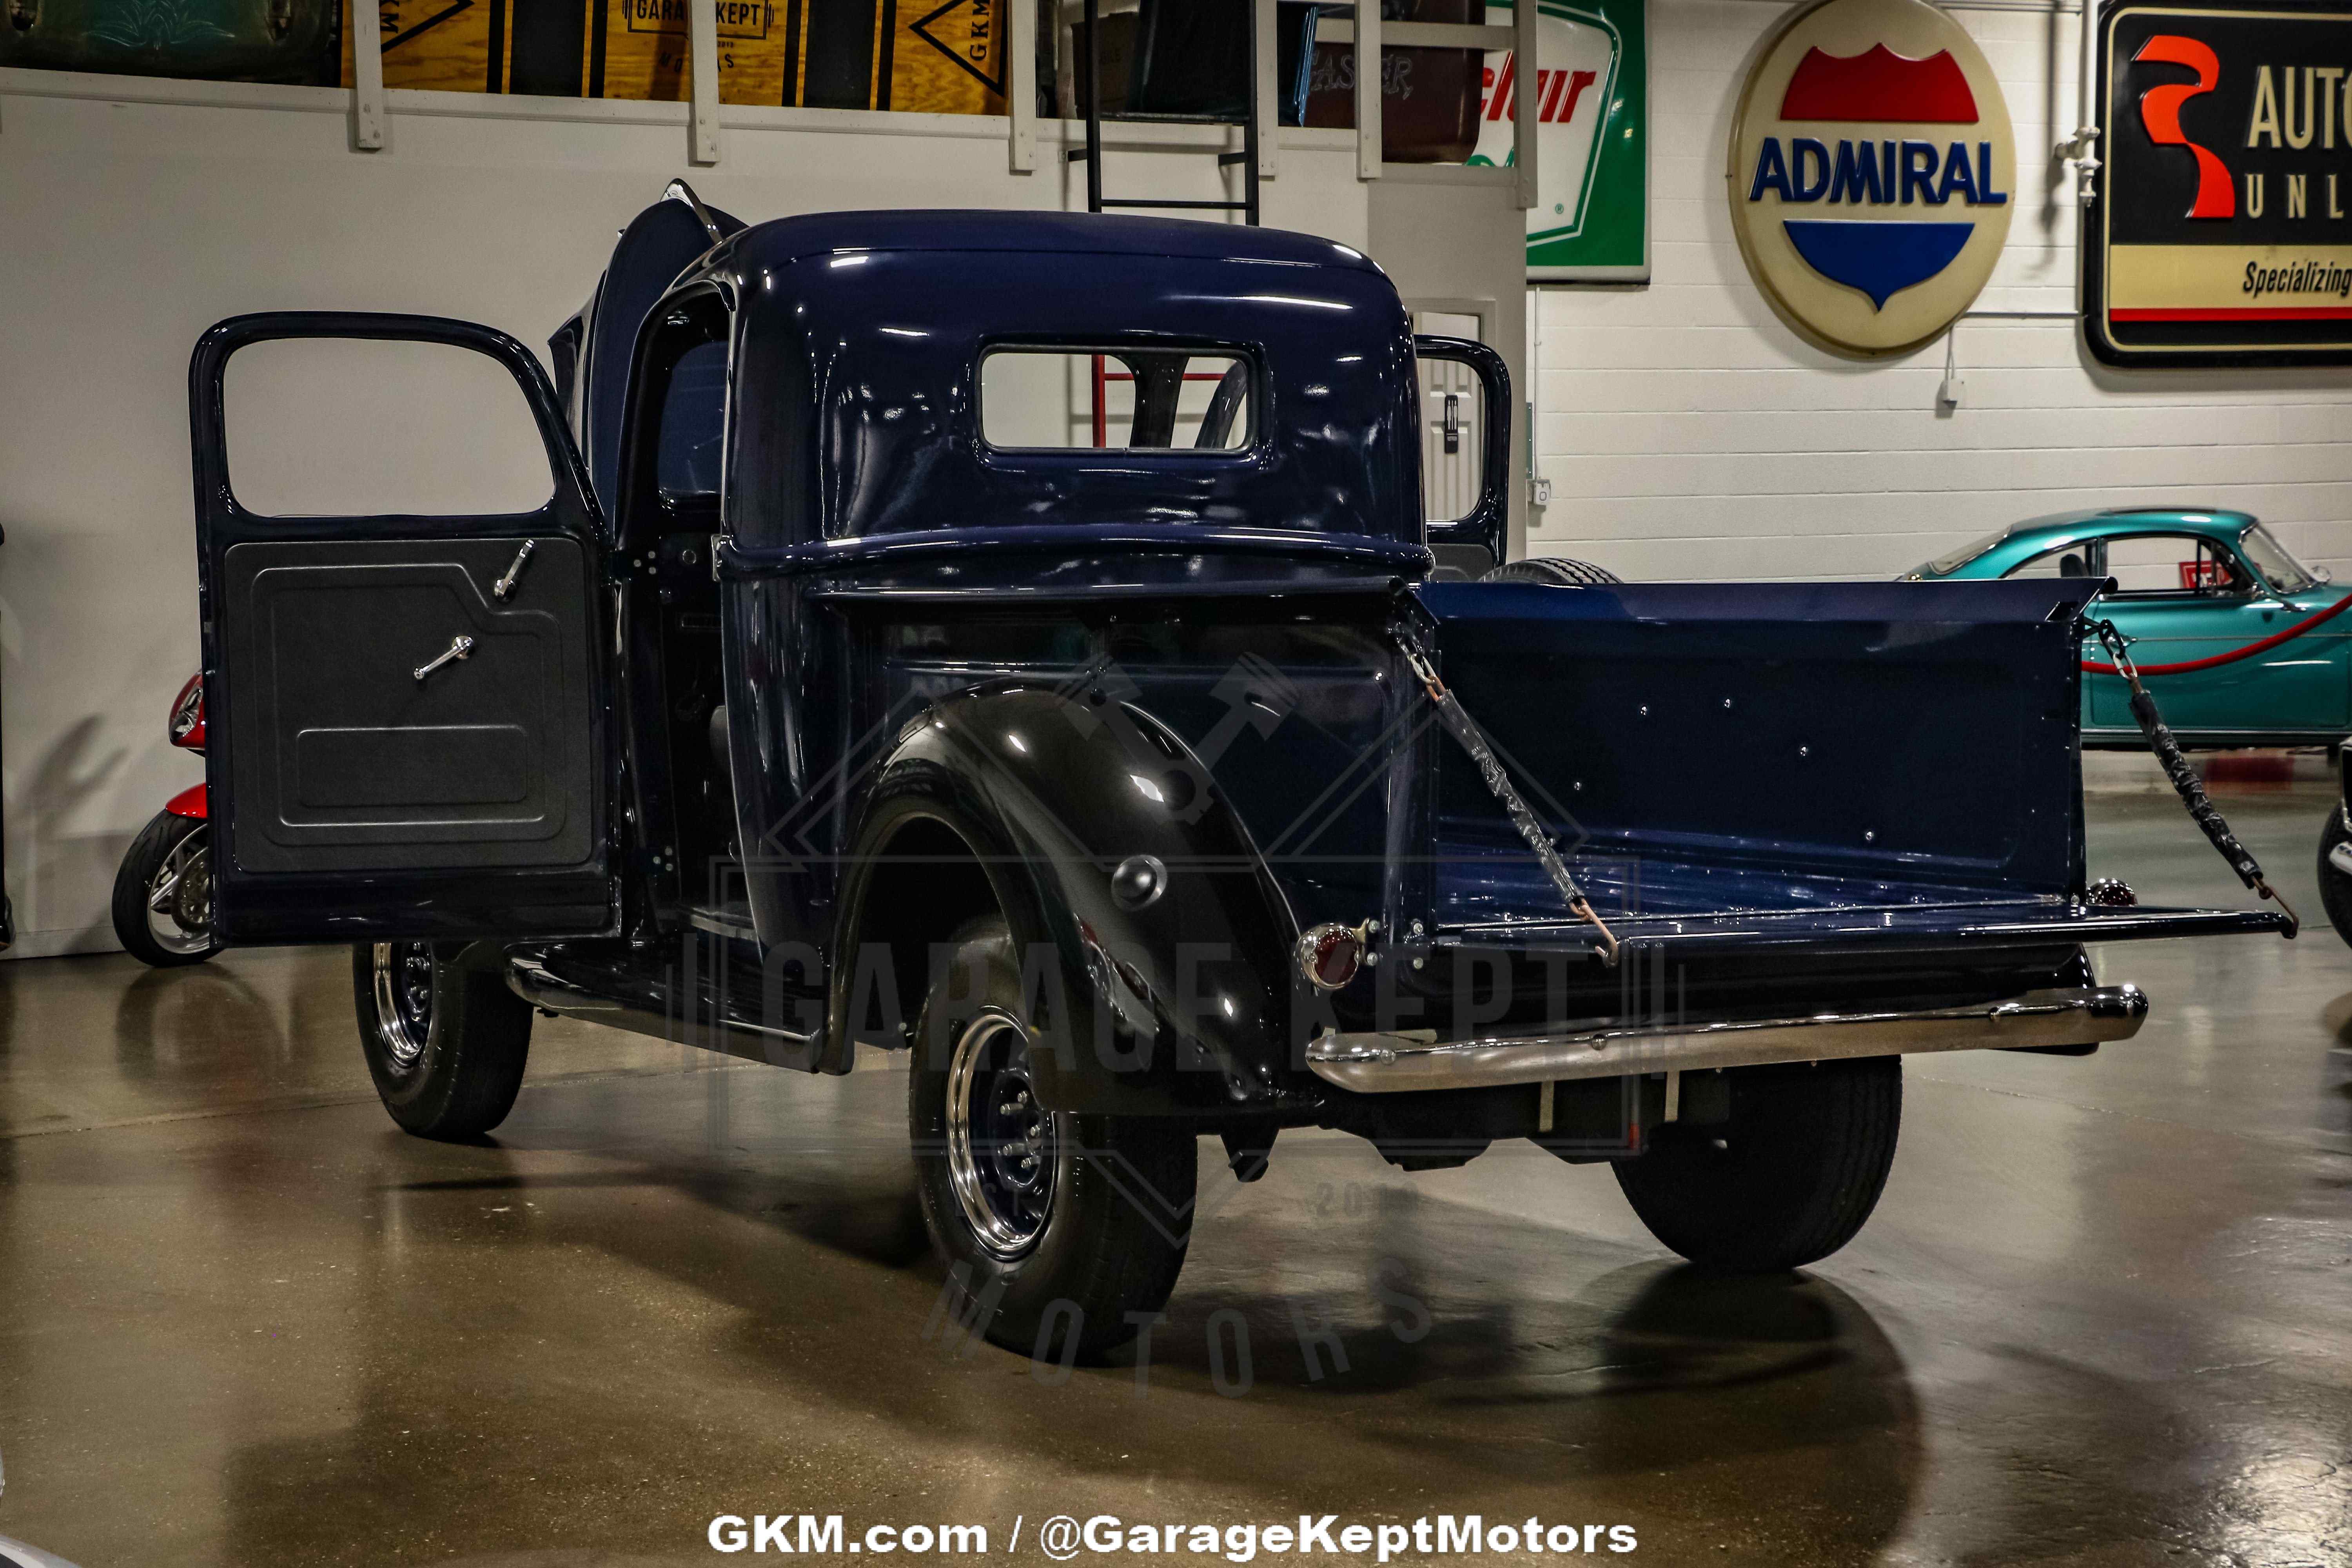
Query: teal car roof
x,y
2060,526
2023,541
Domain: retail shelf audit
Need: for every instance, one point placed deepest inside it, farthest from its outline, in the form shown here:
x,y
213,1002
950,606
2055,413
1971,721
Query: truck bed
x,y
1502,900
1733,767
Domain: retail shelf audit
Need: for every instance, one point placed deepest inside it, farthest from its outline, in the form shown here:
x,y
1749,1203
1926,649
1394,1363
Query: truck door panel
x,y
347,761
408,710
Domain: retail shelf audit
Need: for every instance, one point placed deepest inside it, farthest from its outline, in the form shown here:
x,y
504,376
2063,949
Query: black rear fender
x,y
1143,914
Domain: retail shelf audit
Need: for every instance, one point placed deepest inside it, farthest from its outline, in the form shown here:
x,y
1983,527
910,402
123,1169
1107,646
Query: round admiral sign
x,y
1872,174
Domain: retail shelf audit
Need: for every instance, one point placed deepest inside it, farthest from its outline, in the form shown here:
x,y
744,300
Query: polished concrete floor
x,y
2104,1315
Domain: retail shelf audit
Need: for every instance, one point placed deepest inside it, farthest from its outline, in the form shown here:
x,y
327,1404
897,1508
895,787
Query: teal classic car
x,y
2240,643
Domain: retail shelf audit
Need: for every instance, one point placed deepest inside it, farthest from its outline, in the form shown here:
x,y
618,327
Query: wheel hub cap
x,y
180,896
1000,1142
404,999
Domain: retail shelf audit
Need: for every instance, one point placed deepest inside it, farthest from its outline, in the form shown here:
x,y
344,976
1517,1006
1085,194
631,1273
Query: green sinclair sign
x,y
1590,222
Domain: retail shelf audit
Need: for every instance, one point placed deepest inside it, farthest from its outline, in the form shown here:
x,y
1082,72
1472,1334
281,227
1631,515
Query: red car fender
x,y
191,802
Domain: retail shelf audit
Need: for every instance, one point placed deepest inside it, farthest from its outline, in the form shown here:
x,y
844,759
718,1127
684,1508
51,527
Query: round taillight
x,y
2111,893
1330,955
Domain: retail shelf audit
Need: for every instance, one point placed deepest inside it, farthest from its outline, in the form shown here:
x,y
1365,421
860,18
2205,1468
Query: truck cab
x,y
1015,640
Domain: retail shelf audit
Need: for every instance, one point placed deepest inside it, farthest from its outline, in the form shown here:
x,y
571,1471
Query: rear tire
x,y
1558,571
1054,1226
446,1041
171,861
2335,886
1787,1181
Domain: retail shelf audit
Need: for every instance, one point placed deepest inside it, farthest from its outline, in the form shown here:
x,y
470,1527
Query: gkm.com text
x,y
1063,1537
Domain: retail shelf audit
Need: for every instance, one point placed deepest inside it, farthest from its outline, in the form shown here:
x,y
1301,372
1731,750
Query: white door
x,y
1452,422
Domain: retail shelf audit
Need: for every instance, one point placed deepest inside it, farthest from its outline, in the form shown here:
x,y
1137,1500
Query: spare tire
x,y
1555,569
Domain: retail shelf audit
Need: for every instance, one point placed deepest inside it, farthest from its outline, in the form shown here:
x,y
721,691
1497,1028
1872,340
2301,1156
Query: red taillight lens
x,y
188,721
1330,955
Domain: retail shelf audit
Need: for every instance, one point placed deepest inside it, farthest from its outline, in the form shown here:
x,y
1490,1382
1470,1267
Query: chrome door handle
x,y
459,648
503,589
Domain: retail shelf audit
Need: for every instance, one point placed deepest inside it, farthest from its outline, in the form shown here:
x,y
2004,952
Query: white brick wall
x,y
1688,432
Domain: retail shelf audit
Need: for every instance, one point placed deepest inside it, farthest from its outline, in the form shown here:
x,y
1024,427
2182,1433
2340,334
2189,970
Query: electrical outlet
x,y
1951,389
1539,493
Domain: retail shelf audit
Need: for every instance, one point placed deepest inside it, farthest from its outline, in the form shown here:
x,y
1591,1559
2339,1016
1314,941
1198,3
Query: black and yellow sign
x,y
939,57
2222,231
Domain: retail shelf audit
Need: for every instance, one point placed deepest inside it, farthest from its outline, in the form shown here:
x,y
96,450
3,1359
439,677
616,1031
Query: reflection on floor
x,y
2104,1315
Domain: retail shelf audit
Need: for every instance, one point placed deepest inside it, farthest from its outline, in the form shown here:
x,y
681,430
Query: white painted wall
x,y
1688,432
135,214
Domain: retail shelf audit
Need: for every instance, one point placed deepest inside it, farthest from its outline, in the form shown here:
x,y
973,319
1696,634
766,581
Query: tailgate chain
x,y
2184,778
1474,740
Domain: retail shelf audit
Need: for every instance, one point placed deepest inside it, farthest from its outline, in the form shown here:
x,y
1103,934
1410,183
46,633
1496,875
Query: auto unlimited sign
x,y
2223,233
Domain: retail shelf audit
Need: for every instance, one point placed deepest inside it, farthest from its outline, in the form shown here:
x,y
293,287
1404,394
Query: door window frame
x,y
2094,554
698,314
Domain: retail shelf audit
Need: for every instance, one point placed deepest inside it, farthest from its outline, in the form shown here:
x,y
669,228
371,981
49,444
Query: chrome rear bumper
x,y
1385,1064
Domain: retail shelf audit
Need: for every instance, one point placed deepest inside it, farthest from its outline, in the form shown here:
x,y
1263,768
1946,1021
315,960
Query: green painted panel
x,y
1591,220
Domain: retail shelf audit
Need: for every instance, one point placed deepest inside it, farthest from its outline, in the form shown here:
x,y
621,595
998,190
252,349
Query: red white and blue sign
x,y
1871,174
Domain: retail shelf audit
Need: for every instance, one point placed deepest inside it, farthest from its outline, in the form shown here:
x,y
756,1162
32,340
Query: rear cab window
x,y
1117,399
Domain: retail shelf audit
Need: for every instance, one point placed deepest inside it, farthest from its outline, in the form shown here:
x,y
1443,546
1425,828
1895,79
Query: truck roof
x,y
858,340
786,239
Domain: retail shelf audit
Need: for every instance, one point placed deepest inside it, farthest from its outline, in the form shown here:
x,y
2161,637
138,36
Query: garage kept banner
x,y
2222,232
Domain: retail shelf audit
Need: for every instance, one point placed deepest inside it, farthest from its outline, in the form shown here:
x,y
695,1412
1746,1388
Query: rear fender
x,y
1175,1003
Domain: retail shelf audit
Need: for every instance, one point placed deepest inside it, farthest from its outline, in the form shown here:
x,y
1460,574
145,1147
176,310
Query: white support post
x,y
2082,147
1020,88
1526,98
368,117
1269,100
702,70
1368,88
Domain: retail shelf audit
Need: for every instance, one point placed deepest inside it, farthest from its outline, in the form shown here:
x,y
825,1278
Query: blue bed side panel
x,y
1917,737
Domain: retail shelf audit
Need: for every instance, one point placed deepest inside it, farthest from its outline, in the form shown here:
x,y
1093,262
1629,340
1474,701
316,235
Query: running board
x,y
729,920
531,981
1386,1063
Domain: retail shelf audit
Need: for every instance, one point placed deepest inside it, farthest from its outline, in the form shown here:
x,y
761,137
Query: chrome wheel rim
x,y
180,896
403,1000
1001,1144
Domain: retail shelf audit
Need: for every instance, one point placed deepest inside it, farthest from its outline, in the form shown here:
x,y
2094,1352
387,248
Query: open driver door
x,y
407,711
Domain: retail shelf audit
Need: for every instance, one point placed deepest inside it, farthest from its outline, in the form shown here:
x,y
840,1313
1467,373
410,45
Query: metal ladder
x,y
1091,154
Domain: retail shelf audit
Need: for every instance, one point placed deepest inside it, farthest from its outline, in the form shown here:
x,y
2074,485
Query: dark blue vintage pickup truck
x,y
1017,640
